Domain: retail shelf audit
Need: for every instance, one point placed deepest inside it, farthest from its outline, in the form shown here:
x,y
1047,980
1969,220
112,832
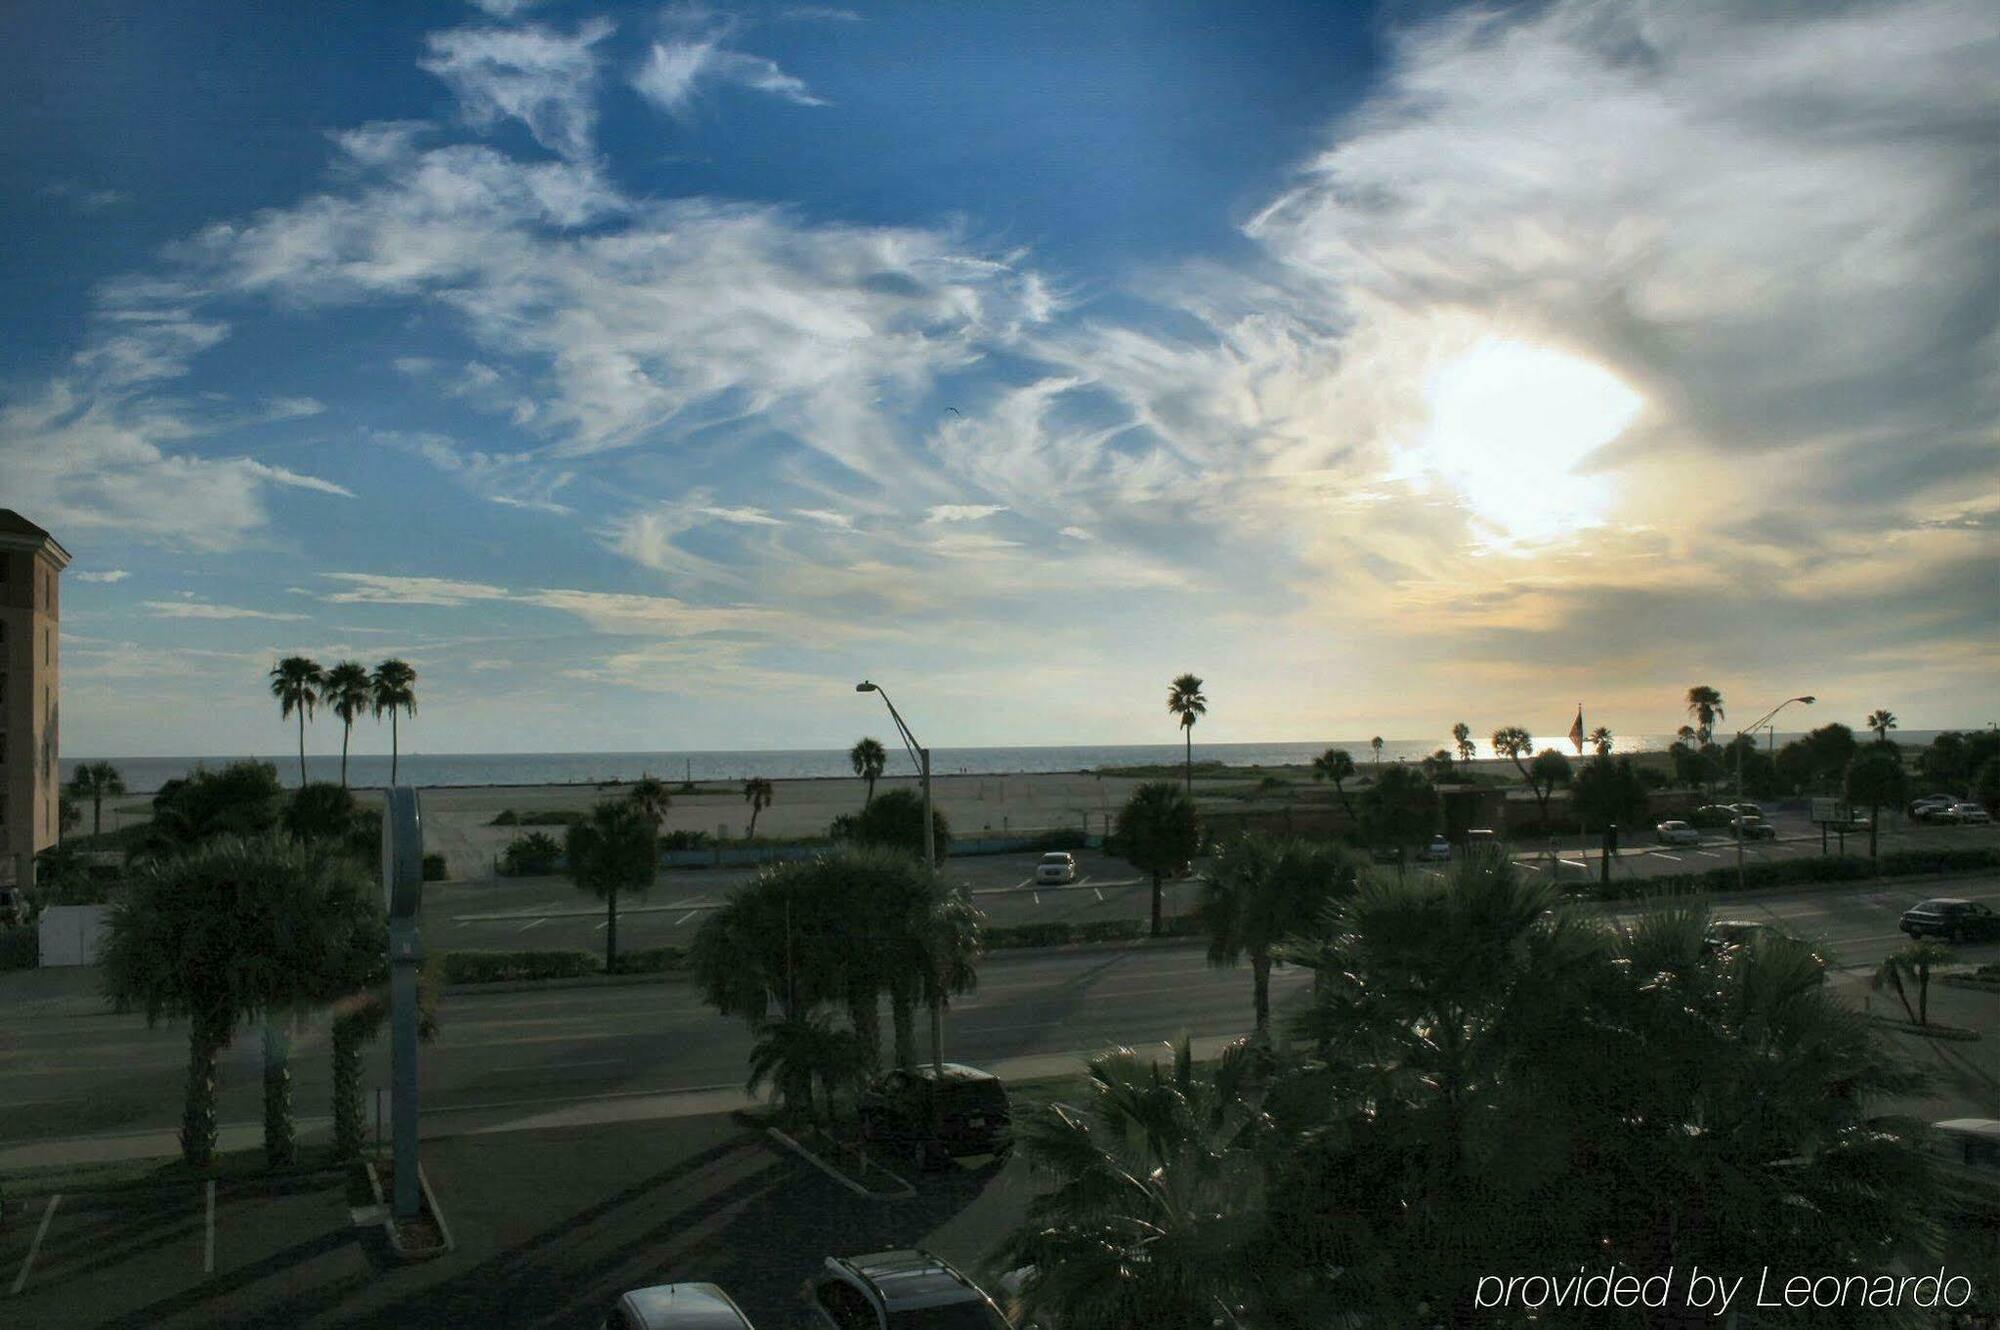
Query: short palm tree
x,y
1185,700
794,1056
1912,965
1461,735
1157,833
1600,739
1514,743
757,793
1337,766
1259,893
1154,1217
1376,744
868,758
393,689
345,691
295,682
1881,722
615,850
1705,705
649,793
92,781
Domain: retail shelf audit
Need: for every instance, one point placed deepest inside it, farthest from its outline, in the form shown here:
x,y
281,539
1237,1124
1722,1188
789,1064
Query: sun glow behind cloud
x,y
1511,428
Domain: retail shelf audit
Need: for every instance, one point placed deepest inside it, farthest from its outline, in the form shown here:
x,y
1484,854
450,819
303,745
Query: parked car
x,y
1755,828
1953,919
935,1118
1967,1154
1713,815
1919,807
1944,813
1483,840
1677,833
1437,852
1745,810
676,1307
1971,815
1056,868
899,1290
1387,854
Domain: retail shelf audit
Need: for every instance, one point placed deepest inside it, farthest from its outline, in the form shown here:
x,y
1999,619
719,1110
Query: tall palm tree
x,y
1157,833
1461,735
1881,722
1376,744
1185,700
92,781
345,692
295,682
1337,766
1600,739
1154,1216
393,688
650,794
757,793
1705,705
1261,892
615,850
868,757
1514,743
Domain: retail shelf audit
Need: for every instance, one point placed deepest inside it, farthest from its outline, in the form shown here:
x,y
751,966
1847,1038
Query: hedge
x,y
499,967
1799,872
1063,932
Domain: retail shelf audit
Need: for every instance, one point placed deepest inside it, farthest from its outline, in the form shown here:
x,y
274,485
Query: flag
x,y
1576,730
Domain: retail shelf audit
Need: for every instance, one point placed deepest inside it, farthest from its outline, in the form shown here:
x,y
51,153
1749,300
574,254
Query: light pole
x,y
1736,747
922,756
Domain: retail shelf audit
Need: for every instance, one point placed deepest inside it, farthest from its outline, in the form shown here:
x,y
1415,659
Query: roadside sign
x,y
1827,810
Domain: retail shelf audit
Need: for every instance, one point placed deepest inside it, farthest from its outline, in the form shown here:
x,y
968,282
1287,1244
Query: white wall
x,y
70,933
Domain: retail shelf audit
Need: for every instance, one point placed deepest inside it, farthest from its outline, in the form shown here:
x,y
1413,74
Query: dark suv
x,y
1952,919
934,1117
899,1290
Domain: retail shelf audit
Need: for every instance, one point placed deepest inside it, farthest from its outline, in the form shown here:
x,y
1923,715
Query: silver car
x,y
677,1307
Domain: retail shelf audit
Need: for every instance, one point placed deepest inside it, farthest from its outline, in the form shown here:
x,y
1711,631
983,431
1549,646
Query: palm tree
x,y
1157,834
1600,739
1514,743
1185,700
796,1055
346,693
1154,1216
614,851
1337,766
868,757
295,682
1913,963
1376,744
1881,722
1261,892
1705,705
393,688
1461,735
92,781
650,794
757,793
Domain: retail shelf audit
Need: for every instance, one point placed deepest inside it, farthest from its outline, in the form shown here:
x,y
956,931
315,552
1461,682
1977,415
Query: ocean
x,y
145,774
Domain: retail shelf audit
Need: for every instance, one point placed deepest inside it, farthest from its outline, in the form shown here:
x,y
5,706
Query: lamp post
x,y
1736,747
922,757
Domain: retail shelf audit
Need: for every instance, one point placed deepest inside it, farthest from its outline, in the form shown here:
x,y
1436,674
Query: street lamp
x,y
918,754
1736,818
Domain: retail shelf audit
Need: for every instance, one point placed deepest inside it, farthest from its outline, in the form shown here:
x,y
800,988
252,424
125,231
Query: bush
x,y
651,960
684,840
434,868
1062,838
894,820
506,817
1062,932
496,967
554,817
533,855
20,948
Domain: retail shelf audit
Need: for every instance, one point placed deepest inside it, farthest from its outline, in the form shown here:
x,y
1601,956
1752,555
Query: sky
x,y
646,375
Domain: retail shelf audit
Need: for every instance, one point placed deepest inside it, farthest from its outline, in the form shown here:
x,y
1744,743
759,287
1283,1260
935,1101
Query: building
x,y
31,564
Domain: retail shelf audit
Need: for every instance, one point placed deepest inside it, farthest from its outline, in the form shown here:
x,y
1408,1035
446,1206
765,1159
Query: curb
x,y
902,1192
1951,1032
580,981
402,1249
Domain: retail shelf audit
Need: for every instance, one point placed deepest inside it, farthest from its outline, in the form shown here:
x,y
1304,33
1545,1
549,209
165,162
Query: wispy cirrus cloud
x,y
201,609
677,70
545,79
107,575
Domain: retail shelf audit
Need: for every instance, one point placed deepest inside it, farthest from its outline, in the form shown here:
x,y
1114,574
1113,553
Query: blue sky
x,y
647,374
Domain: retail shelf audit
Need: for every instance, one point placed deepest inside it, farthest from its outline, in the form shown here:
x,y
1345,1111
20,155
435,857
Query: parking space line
x,y
532,923
1100,895
684,918
1038,897
208,1236
28,1261
1708,854
603,924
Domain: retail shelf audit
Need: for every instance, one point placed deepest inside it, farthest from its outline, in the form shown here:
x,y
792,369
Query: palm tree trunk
x,y
902,1014
1924,994
280,1143
207,1035
1260,988
864,1013
395,747
302,746
347,1130
871,793
611,932
346,729
751,834
1156,905
1872,818
97,813
1187,733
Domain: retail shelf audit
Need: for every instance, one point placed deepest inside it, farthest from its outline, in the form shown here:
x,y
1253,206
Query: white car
x,y
1057,868
677,1307
1677,833
1970,815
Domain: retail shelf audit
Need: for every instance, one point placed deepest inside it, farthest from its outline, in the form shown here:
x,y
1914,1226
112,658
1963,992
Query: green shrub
x,y
20,948
1940,860
533,855
495,967
651,960
553,817
1061,838
434,868
1052,934
1063,932
506,817
684,840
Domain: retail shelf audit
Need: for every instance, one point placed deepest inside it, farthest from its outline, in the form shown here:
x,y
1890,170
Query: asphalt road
x,y
548,913
70,1069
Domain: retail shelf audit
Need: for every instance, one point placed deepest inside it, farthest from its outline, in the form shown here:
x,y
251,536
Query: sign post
x,y
403,885
1826,813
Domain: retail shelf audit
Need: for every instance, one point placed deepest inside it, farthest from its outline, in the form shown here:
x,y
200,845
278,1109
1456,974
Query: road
x,y
71,1068
548,913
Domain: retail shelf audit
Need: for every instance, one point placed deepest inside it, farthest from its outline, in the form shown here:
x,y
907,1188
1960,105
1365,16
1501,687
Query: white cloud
x,y
383,589
827,517
512,480
1076,533
83,199
962,512
741,516
505,9
675,72
544,79
201,609
107,576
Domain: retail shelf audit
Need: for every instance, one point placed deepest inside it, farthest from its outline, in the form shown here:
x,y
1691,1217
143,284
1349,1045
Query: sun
x,y
1509,424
